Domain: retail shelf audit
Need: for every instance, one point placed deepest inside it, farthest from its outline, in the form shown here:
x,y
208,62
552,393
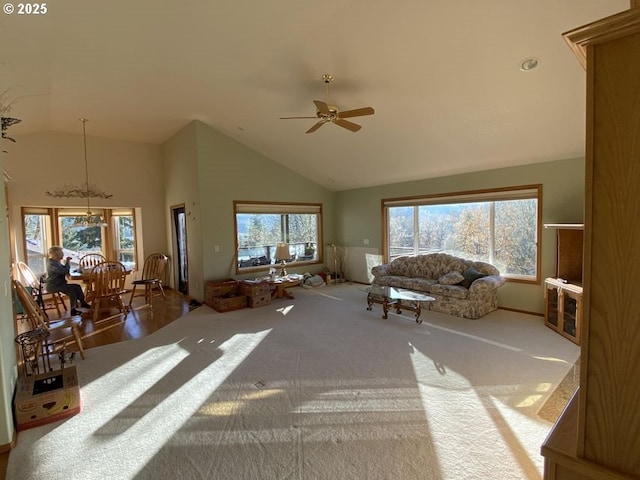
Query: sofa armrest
x,y
381,270
485,284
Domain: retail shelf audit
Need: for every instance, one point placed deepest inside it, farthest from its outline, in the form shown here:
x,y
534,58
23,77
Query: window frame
x,y
277,208
51,232
521,192
108,233
111,217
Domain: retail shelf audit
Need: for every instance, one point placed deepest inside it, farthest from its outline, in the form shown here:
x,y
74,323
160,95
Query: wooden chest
x,y
254,289
259,300
229,303
223,296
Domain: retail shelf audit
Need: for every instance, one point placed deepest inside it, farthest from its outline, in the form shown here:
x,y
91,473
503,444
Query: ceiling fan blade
x,y
291,118
316,126
358,112
323,108
354,127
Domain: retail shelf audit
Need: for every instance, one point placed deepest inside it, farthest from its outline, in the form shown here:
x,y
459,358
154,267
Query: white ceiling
x,y
442,75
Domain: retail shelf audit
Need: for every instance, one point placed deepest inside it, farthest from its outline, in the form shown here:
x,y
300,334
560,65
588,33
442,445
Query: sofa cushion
x,y
419,284
470,275
451,278
453,291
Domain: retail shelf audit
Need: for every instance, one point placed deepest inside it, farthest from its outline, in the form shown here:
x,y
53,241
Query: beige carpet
x,y
312,388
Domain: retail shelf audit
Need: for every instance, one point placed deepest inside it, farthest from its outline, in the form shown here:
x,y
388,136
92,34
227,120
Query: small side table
x,y
280,287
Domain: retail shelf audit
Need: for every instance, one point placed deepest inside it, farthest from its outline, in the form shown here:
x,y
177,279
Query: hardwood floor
x,y
139,322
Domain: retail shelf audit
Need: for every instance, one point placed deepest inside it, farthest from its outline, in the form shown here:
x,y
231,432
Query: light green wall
x,y
359,212
180,166
224,171
228,171
207,171
8,372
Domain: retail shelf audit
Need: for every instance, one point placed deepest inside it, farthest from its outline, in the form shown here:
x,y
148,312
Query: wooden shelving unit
x,y
563,294
563,308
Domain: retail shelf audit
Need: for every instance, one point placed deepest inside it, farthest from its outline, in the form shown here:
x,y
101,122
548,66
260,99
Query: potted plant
x,y
5,120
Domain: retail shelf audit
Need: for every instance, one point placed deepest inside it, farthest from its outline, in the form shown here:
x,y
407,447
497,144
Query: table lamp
x,y
282,255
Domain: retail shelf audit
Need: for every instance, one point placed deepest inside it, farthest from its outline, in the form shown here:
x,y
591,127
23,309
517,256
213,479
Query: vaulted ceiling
x,y
443,76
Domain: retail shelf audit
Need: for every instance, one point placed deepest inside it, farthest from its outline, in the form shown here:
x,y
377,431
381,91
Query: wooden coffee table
x,y
280,286
398,298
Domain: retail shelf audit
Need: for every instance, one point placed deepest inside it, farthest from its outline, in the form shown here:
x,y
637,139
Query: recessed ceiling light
x,y
529,64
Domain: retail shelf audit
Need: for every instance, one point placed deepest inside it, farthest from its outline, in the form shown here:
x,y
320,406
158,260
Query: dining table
x,y
85,275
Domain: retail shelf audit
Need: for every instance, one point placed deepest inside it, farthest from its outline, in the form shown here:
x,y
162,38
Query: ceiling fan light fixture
x,y
325,112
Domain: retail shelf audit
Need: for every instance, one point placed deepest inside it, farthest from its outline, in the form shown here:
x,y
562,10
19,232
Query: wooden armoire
x,y
598,434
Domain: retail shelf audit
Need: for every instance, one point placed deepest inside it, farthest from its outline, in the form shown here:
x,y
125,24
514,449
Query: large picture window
x,y
260,227
78,241
500,227
45,227
37,238
124,233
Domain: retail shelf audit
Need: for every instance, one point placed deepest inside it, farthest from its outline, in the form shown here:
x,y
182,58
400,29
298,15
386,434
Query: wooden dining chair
x,y
60,331
90,260
152,276
46,300
86,263
106,282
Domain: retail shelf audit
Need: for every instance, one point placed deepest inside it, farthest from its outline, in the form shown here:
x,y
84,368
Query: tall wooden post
x,y
598,435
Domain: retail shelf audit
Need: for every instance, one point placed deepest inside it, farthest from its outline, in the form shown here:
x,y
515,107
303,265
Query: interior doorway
x,y
181,266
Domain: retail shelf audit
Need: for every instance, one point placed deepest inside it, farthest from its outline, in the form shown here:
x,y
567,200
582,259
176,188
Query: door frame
x,y
174,211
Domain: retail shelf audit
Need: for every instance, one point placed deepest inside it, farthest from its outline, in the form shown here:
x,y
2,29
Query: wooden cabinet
x,y
563,308
563,294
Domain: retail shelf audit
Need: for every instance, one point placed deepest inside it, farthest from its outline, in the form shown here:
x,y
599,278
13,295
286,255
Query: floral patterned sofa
x,y
460,287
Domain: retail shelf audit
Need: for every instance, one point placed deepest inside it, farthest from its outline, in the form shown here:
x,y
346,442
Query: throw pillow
x,y
470,275
451,278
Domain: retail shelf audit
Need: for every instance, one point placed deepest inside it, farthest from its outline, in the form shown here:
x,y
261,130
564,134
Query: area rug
x,y
311,388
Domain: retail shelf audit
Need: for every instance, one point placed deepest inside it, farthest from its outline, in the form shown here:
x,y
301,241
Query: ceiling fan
x,y
330,113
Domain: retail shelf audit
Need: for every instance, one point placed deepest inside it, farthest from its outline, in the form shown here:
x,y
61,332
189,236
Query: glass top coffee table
x,y
398,298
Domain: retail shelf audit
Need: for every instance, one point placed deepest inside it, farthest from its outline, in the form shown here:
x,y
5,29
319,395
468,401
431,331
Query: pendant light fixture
x,y
85,190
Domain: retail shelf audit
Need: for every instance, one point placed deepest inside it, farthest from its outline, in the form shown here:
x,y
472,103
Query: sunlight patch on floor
x,y
285,310
162,413
474,337
552,359
451,406
126,378
173,412
232,407
331,297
